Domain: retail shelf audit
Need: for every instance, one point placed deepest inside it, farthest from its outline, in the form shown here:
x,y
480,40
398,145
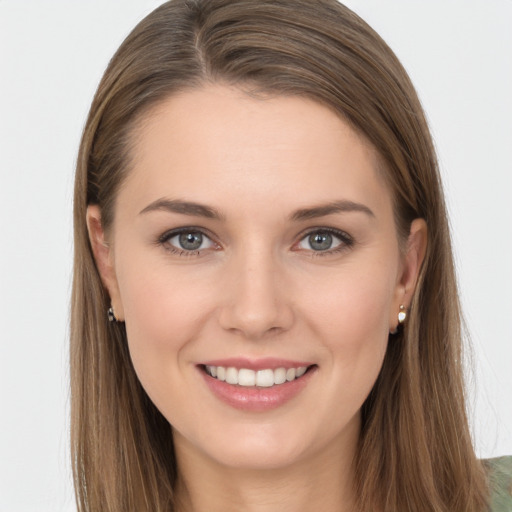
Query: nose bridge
x,y
256,303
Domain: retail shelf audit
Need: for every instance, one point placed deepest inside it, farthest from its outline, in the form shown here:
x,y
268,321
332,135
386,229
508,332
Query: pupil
x,y
191,241
320,241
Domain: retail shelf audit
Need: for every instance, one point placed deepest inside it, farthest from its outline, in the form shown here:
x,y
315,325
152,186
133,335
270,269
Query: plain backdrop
x,y
52,55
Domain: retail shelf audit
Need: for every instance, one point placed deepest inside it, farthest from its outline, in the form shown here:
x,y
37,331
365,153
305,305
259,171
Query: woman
x,y
265,314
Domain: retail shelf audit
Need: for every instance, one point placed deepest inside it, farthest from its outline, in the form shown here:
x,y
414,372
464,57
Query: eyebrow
x,y
201,210
183,207
342,206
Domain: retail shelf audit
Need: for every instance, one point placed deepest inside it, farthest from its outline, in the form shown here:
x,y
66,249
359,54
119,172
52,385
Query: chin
x,y
271,444
257,456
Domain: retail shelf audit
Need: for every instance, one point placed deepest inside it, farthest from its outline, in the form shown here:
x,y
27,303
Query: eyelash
x,y
163,240
346,240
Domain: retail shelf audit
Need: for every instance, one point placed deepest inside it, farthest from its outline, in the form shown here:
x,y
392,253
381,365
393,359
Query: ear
x,y
104,257
410,268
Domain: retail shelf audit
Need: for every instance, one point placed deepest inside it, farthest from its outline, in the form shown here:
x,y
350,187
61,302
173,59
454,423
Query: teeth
x,y
300,371
221,372
279,376
265,378
260,378
232,376
246,377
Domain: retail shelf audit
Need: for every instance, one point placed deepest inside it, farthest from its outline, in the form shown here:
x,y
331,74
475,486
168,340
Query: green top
x,y
500,479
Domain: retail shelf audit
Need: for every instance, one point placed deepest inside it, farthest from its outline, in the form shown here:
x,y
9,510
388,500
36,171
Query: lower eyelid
x,y
330,252
182,252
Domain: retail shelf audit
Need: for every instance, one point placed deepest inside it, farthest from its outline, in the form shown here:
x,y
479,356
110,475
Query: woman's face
x,y
255,239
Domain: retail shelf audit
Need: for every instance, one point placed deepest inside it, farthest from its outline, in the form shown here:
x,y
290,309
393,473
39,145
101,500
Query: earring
x,y
111,315
402,314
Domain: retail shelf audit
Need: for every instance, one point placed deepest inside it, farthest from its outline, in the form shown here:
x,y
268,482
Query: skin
x,y
257,288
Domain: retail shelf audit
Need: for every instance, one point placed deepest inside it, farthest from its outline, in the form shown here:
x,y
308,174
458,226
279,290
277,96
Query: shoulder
x,y
500,481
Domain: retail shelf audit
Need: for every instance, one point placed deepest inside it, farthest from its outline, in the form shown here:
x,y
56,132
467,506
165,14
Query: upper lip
x,y
266,363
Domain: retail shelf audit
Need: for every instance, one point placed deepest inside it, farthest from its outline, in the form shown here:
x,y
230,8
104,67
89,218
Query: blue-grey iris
x,y
191,241
320,241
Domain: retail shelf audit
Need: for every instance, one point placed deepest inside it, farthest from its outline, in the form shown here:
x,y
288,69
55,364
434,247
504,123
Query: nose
x,y
256,299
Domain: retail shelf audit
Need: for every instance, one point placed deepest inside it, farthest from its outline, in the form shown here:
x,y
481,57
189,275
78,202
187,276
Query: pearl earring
x,y
111,315
402,314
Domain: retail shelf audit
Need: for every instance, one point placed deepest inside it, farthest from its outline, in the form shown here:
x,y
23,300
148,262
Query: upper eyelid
x,y
170,233
334,231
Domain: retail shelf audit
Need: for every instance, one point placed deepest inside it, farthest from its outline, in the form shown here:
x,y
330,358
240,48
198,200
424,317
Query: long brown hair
x,y
415,448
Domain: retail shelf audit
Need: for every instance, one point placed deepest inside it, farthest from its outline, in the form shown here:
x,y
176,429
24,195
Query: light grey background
x,y
52,54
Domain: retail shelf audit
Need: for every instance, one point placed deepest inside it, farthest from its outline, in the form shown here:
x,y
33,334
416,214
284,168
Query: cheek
x,y
162,303
164,310
355,302
351,316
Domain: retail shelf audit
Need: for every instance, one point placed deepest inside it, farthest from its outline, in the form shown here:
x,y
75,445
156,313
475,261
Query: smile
x,y
246,377
257,385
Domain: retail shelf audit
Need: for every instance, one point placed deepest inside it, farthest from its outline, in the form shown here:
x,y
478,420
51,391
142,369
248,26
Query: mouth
x,y
256,385
263,378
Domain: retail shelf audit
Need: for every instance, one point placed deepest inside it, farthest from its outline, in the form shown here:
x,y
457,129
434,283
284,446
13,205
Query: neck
x,y
323,482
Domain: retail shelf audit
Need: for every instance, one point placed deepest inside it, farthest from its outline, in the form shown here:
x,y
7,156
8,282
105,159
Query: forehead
x,y
218,141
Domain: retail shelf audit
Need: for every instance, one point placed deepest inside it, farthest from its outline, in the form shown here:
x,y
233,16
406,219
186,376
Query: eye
x,y
186,240
325,240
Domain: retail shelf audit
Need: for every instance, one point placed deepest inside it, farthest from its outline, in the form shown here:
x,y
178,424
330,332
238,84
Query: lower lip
x,y
257,399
